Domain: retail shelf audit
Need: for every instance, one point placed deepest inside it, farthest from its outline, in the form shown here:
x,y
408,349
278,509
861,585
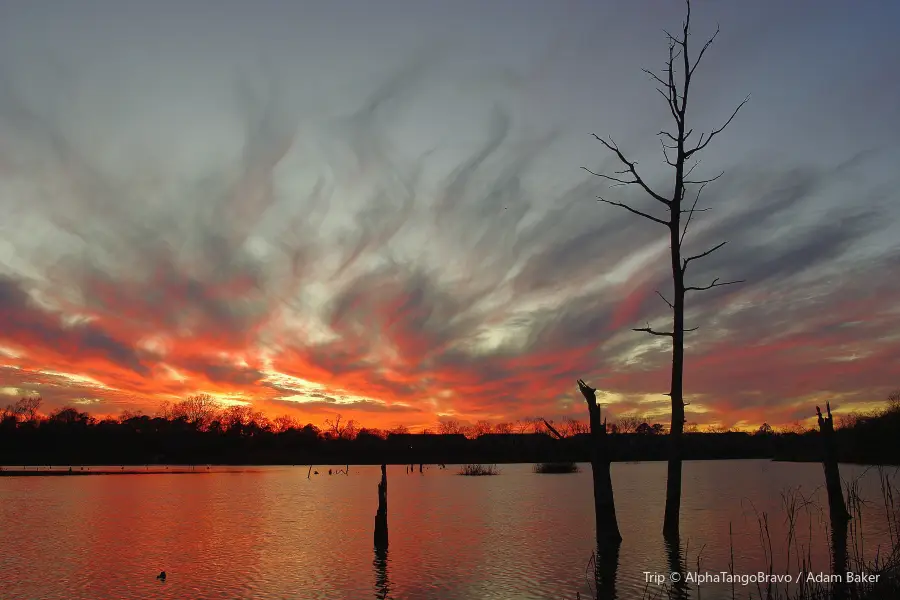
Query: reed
x,y
478,470
800,512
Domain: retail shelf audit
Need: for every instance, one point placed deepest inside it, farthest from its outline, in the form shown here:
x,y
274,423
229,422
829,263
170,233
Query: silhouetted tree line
x,y
199,430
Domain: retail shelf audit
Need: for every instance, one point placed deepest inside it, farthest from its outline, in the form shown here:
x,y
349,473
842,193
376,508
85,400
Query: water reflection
x,y
271,533
679,590
606,569
382,584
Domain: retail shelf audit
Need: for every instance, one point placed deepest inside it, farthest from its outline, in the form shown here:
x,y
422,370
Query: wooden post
x,y
381,525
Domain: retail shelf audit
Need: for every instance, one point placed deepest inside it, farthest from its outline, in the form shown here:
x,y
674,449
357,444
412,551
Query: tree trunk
x,y
604,502
671,527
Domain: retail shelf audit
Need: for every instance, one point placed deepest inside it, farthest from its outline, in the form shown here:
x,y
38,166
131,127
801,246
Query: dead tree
x,y
604,503
681,154
837,509
381,524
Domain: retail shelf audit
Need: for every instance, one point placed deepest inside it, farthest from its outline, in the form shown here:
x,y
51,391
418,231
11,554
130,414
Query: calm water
x,y
269,532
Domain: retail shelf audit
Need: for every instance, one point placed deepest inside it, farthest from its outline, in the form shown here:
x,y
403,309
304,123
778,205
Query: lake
x,y
270,532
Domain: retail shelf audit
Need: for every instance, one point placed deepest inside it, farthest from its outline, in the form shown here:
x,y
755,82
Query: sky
x,y
378,209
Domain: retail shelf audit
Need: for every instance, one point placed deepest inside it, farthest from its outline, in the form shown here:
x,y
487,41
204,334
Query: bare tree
x,y
894,401
503,428
284,423
674,84
28,407
450,426
572,427
339,429
628,423
482,427
198,410
528,425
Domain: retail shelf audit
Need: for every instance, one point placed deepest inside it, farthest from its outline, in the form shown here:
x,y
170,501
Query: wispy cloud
x,y
423,245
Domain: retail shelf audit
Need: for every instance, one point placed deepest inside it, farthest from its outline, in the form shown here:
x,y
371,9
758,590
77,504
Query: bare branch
x,y
691,170
690,215
665,150
697,210
635,211
668,135
687,63
648,329
702,181
677,112
656,78
551,428
691,329
701,255
668,100
715,283
616,180
703,50
612,146
701,144
664,299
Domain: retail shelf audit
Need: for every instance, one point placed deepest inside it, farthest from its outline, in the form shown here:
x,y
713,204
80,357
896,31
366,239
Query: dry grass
x,y
797,508
478,470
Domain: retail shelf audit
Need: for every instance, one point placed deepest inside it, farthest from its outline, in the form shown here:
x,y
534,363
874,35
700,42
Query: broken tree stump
x,y
381,525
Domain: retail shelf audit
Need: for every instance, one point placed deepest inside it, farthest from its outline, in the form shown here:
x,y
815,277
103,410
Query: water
x,y
269,532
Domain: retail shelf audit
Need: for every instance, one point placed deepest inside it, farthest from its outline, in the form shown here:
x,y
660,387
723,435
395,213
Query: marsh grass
x,y
555,468
478,470
801,513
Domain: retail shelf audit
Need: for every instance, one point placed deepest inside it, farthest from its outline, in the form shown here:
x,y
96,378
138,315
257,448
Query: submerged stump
x,y
837,509
381,525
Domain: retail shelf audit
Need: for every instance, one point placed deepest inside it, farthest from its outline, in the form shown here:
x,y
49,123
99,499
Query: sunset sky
x,y
377,208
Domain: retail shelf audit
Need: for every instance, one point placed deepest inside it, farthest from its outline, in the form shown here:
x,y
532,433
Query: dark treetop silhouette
x,y
69,436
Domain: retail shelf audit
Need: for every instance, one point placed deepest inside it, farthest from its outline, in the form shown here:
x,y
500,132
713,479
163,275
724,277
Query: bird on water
x,y
161,576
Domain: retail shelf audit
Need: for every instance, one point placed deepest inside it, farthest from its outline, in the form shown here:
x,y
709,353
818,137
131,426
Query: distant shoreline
x,y
34,471
49,473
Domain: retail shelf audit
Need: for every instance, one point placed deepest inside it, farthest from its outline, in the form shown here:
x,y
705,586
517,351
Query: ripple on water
x,y
272,533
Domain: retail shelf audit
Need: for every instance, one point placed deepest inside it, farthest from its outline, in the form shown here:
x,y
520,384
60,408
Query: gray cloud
x,y
23,321
438,229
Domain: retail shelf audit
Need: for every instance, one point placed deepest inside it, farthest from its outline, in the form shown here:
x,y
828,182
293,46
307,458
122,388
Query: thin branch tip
x,y
715,283
664,299
652,331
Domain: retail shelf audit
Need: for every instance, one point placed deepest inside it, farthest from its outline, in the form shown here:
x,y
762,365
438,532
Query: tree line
x,y
200,430
204,413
